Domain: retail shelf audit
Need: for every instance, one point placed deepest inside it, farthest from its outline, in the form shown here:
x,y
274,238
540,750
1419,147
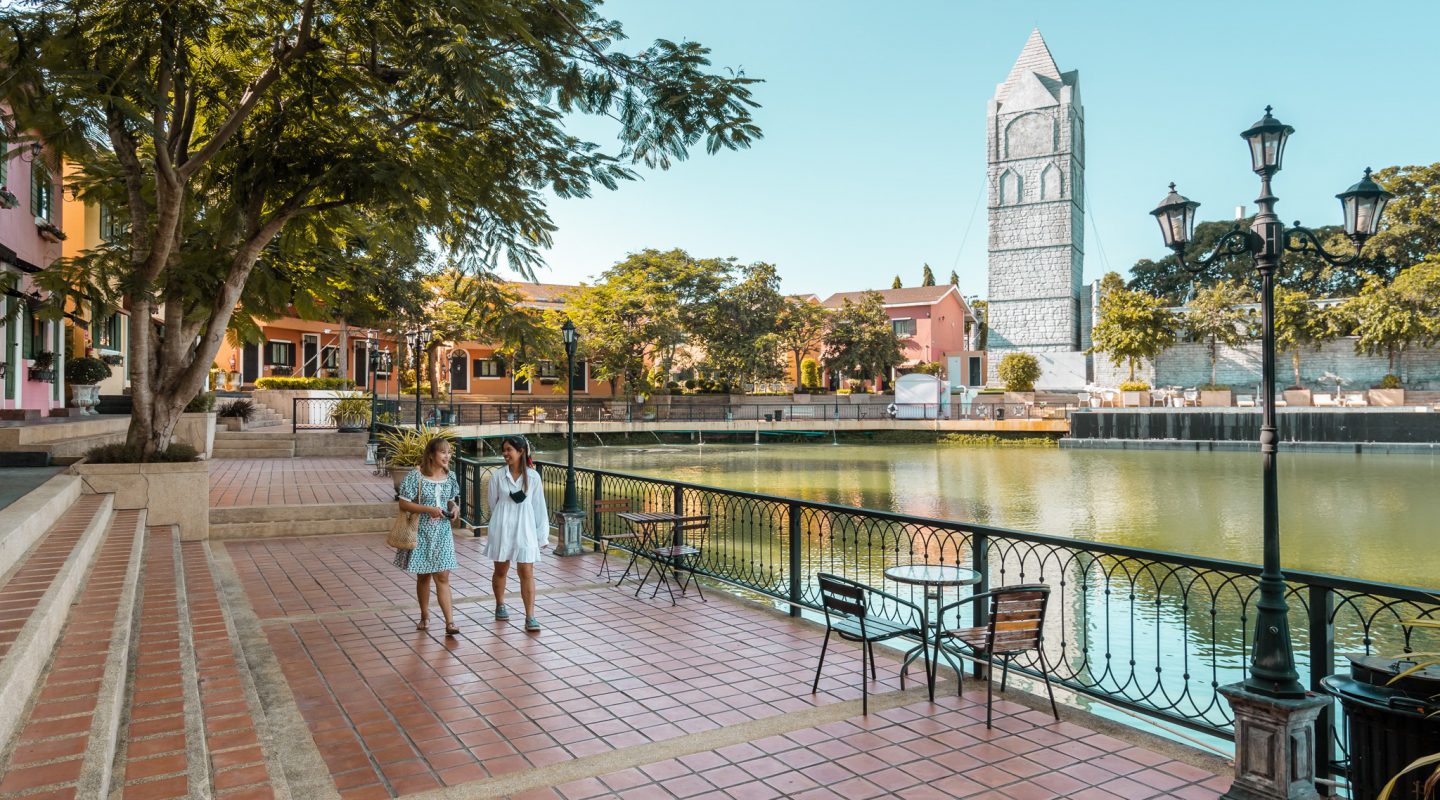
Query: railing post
x,y
1322,660
475,506
679,504
594,513
980,562
464,502
796,585
294,414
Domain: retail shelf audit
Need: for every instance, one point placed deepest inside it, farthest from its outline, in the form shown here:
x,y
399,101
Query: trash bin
x,y
779,415
999,412
1388,725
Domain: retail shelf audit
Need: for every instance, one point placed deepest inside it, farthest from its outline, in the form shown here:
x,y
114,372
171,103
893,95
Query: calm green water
x,y
1374,517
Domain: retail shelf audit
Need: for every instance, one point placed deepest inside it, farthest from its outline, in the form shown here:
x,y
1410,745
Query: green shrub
x,y
1391,381
1134,386
86,371
810,373
991,390
242,409
203,402
1214,387
273,382
130,454
1019,371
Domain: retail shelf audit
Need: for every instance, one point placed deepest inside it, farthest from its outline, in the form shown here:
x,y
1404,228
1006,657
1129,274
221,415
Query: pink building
x,y
933,322
32,345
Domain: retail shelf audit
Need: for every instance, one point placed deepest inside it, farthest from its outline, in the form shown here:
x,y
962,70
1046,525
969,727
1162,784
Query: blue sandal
x,y
501,612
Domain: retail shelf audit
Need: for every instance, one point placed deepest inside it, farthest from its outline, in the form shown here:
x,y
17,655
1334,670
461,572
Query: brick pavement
x,y
295,481
626,697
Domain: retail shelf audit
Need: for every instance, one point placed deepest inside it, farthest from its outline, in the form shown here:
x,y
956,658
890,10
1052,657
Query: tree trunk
x,y
1132,370
799,379
431,371
1390,352
1295,361
342,359
1214,359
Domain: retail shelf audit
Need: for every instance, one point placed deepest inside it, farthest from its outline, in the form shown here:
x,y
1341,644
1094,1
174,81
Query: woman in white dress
x,y
519,526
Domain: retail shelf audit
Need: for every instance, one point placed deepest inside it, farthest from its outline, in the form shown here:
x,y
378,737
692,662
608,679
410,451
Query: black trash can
x,y
1389,725
779,415
999,412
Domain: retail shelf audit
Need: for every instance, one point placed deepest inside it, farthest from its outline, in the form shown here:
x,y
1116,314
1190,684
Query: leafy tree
x,y
1133,325
1019,371
896,283
981,310
954,278
738,327
1391,318
861,341
1410,228
640,313
936,368
222,131
1299,323
1212,318
801,331
810,374
928,278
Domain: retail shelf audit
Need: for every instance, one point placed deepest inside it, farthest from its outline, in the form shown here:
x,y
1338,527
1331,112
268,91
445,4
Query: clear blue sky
x,y
873,159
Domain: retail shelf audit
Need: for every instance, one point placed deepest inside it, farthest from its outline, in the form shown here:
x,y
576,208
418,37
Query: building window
x,y
111,228
42,190
548,369
904,328
280,354
487,368
34,333
4,155
329,357
577,381
106,333
520,384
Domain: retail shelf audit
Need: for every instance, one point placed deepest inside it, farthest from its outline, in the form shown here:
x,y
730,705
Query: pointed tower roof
x,y
1035,59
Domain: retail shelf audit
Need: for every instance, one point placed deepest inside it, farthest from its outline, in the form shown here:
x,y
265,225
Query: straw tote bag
x,y
403,531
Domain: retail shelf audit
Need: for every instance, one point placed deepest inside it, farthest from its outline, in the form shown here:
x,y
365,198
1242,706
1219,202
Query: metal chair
x,y
1017,619
847,612
612,506
679,553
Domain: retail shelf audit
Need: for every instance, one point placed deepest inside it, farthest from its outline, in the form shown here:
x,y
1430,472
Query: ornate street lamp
x,y
1272,691
570,510
417,342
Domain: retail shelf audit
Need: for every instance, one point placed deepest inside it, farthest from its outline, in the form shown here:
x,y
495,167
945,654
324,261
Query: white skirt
x,y
512,533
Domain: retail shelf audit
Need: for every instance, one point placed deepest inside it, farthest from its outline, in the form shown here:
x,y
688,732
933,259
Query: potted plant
x,y
537,413
1019,371
42,367
1217,395
1298,396
236,414
402,449
113,359
1388,392
48,231
649,413
352,414
1133,393
8,198
84,374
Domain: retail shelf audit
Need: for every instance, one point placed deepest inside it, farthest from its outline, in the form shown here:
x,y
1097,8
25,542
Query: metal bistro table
x,y
937,576
644,523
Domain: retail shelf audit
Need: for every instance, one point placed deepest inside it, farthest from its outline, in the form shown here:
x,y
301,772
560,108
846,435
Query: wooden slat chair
x,y
1017,619
846,604
676,552
611,506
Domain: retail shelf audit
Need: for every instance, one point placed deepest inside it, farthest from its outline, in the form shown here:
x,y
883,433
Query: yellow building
x,y
93,329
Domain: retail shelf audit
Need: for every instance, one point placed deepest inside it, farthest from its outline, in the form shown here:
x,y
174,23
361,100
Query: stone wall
x,y
1188,364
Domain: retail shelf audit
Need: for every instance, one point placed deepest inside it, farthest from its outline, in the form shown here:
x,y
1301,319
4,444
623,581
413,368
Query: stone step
x,y
67,738
71,450
24,521
273,530
242,454
301,513
35,601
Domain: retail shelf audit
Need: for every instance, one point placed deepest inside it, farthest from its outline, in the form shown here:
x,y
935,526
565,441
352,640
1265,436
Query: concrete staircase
x,y
284,444
106,626
265,522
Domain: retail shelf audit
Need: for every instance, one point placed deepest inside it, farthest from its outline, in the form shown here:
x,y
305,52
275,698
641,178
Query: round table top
x,y
933,575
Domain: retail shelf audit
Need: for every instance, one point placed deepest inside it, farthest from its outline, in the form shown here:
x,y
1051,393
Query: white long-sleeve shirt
x,y
517,530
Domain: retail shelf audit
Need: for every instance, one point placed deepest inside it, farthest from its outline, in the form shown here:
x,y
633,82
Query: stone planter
x,y
1299,397
397,475
231,423
1017,398
1222,398
1134,398
171,494
352,424
1387,397
197,429
85,396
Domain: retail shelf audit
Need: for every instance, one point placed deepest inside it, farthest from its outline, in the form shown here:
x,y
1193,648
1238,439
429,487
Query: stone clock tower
x,y
1036,153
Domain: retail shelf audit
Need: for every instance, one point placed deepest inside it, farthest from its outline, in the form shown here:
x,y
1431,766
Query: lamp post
x,y
570,510
417,341
1272,693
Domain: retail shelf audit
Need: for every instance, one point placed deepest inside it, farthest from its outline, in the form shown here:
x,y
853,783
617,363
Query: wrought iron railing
x,y
1145,630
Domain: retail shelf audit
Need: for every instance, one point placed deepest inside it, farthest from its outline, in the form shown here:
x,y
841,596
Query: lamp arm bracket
x,y
1236,241
1299,239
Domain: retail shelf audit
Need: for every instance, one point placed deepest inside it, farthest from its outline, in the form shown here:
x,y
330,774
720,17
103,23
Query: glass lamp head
x,y
1176,215
1363,204
1267,139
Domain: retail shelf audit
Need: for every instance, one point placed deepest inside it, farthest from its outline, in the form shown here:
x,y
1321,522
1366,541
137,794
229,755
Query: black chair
x,y
677,553
847,606
605,538
1017,620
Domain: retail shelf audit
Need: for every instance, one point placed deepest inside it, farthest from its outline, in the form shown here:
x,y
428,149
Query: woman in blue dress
x,y
431,491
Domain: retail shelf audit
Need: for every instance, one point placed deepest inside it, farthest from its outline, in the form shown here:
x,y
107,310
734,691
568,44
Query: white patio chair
x,y
1192,397
1157,397
1245,400
1322,399
1356,399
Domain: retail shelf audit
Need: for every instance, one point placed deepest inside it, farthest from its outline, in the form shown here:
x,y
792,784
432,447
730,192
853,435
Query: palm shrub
x,y
242,410
354,410
404,447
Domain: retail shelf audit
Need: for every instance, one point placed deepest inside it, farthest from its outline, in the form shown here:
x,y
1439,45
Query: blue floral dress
x,y
434,543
